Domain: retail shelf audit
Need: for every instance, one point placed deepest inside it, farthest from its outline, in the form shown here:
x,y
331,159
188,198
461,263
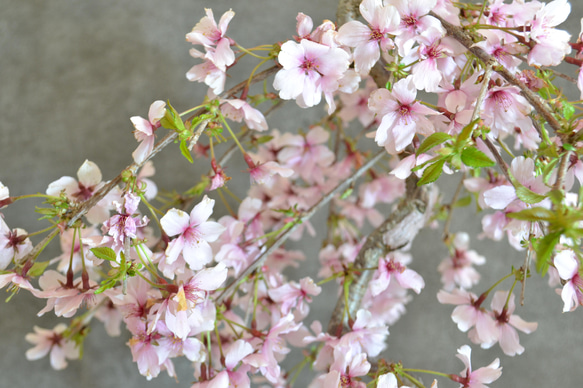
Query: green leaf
x,y
525,194
544,248
431,173
473,157
528,196
104,253
568,110
533,214
185,151
569,147
466,132
172,119
347,193
433,140
462,202
38,269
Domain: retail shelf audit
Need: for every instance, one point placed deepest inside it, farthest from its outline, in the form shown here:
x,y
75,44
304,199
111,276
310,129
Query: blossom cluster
x,y
185,281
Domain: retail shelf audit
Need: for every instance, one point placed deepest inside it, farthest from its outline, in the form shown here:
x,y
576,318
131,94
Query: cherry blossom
x,y
507,323
457,268
310,69
368,42
14,244
90,181
52,342
238,110
145,129
393,265
567,264
401,116
480,377
212,37
194,233
551,44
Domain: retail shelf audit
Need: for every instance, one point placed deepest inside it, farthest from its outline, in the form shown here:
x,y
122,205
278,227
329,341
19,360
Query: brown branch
x,y
259,261
396,232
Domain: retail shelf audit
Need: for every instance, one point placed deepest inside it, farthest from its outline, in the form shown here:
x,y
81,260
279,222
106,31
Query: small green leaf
x,y
569,147
433,140
533,214
431,173
38,269
525,194
104,253
544,248
172,119
568,110
473,157
347,193
528,196
462,202
185,151
466,132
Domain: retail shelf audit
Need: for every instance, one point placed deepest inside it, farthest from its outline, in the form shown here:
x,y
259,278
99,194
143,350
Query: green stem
x,y
431,372
232,134
246,51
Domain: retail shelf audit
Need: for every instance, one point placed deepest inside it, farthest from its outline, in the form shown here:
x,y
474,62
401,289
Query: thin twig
x,y
305,216
498,157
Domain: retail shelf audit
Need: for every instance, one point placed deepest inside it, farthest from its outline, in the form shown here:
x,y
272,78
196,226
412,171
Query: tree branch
x,y
397,231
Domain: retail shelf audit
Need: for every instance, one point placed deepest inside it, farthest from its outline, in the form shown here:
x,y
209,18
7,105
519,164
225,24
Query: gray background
x,y
73,72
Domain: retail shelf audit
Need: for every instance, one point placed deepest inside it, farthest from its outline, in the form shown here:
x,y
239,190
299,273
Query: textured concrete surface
x,y
73,72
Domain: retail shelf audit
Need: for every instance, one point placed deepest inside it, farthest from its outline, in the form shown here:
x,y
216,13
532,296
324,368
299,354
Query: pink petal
x,y
500,197
202,211
175,222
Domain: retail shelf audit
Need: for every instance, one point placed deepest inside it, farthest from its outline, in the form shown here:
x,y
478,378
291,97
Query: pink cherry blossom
x,y
262,173
567,264
89,182
296,295
208,73
310,69
145,129
368,42
551,44
53,342
394,265
508,323
457,268
212,37
480,377
469,313
14,244
401,116
124,224
194,233
238,110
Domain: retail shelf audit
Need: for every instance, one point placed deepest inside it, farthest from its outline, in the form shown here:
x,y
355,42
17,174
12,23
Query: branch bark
x,y
396,232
